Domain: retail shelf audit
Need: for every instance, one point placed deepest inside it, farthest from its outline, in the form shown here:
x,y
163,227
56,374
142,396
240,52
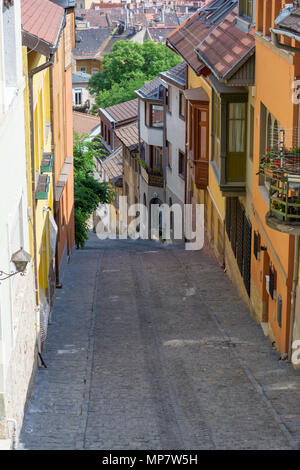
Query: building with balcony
x,y
113,118
218,47
174,135
151,102
275,255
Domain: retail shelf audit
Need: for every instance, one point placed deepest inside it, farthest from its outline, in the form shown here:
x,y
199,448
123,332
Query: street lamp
x,y
20,259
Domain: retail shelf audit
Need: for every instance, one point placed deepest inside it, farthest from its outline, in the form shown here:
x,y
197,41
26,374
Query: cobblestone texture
x,y
150,348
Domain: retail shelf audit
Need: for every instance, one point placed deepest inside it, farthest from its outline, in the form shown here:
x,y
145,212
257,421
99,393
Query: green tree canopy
x,y
88,193
127,67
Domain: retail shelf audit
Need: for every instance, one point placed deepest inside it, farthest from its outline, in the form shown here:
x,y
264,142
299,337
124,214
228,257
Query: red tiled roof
x,y
95,5
128,135
124,111
113,165
192,31
84,123
224,48
42,18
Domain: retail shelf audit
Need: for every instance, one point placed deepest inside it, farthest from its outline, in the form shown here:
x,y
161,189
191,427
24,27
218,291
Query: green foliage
x,y
119,92
88,192
127,67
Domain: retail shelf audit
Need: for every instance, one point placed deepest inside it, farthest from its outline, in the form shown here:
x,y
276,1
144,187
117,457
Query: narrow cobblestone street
x,y
150,348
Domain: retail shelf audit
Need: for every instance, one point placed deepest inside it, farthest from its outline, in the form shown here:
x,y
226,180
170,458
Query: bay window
x,y
154,115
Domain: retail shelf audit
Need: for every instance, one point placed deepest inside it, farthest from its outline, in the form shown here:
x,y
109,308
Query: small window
x,y
279,310
83,69
246,9
181,163
169,150
272,282
169,99
236,127
251,136
154,115
78,96
181,105
155,157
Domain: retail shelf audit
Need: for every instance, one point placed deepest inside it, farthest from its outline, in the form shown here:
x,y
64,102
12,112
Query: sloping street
x,y
149,347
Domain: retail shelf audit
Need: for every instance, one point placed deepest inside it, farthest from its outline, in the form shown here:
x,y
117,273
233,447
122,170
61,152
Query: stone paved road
x,y
150,348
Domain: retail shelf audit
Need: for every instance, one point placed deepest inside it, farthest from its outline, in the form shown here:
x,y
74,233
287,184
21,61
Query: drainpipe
x,y
275,31
293,294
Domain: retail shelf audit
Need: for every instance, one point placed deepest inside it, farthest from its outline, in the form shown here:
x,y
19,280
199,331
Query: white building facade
x,y
17,299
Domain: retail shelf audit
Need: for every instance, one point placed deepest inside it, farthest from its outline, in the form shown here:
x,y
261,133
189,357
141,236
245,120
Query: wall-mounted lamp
x,y
20,259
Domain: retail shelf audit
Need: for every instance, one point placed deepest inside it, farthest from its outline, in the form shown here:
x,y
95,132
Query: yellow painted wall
x,y
89,64
42,115
194,82
275,72
28,148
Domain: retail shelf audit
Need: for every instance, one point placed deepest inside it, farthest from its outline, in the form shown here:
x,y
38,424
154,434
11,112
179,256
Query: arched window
x,y
275,135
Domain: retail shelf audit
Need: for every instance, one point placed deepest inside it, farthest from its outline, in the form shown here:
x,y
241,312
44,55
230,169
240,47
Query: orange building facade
x,y
62,115
273,251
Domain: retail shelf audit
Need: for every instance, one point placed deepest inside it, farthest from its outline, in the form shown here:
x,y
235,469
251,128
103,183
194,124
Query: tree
x,y
127,67
88,193
119,92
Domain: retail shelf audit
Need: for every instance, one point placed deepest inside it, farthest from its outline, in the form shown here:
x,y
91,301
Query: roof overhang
x,y
38,44
196,94
176,83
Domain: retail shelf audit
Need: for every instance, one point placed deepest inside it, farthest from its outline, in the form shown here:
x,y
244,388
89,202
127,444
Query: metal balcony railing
x,y
281,169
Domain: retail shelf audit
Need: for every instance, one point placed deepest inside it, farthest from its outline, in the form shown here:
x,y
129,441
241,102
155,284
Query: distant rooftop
x,y
129,135
80,77
126,111
89,42
151,90
176,74
85,123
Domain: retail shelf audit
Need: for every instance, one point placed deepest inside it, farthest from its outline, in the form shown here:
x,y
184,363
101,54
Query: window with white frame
x,y
78,96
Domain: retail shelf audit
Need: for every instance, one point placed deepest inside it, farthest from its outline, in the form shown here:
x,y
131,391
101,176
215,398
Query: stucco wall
x,y
176,136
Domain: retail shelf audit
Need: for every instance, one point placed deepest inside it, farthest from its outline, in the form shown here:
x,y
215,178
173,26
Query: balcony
x,y
282,174
152,176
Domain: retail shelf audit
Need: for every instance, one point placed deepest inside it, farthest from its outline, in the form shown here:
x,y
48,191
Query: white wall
x,y
14,292
150,135
175,135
